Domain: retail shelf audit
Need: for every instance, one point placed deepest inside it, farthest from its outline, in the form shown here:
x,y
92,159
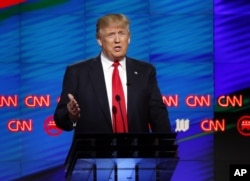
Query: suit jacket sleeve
x,y
61,116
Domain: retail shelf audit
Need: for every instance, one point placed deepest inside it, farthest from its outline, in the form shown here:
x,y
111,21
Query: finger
x,y
71,97
73,106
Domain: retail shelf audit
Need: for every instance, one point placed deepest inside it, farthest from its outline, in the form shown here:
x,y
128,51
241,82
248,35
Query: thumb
x,y
71,97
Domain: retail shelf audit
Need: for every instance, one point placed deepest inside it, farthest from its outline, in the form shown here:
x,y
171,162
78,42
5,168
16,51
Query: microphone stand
x,y
118,99
114,111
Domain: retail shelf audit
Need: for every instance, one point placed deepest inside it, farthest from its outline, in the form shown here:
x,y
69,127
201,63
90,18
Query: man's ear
x,y
99,41
129,37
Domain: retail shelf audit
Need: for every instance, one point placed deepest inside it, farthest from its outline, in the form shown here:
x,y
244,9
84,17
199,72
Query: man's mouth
x,y
117,48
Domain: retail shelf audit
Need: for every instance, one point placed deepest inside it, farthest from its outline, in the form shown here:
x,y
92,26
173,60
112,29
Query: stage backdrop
x,y
200,48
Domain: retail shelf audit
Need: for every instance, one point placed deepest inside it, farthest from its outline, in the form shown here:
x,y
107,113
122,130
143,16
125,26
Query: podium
x,y
123,156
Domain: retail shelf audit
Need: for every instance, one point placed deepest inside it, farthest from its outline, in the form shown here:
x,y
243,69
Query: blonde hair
x,y
111,19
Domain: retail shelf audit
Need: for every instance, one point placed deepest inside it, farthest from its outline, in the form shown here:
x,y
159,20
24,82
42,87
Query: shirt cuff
x,y
74,123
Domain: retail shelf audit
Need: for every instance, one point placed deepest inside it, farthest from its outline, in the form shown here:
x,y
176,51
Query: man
x,y
89,102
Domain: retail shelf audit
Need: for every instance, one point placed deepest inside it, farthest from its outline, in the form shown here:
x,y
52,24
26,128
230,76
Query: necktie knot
x,y
116,64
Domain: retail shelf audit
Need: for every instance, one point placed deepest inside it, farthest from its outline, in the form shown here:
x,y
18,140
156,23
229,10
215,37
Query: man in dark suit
x,y
86,99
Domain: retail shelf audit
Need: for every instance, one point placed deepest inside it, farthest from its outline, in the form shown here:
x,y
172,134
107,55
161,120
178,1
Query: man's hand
x,y
73,108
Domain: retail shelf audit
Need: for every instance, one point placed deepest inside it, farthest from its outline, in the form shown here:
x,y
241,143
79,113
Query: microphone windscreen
x,y
117,98
114,110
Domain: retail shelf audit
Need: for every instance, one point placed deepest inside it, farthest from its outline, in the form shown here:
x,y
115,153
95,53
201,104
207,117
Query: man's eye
x,y
110,35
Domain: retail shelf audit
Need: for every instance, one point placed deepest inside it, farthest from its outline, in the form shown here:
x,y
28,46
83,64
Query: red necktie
x,y
120,122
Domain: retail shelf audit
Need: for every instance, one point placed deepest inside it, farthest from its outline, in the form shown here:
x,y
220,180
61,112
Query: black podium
x,y
125,157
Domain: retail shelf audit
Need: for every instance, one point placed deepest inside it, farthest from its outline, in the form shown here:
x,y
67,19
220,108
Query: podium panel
x,y
115,157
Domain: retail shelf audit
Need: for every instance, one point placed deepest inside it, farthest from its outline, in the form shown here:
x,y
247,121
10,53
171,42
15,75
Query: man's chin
x,y
118,56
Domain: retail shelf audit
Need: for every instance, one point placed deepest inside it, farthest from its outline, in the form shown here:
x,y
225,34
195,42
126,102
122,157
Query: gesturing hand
x,y
73,108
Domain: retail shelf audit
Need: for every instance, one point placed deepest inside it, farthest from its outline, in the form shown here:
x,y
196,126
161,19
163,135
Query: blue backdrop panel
x,y
231,7
227,73
10,39
182,38
233,45
182,7
52,38
114,6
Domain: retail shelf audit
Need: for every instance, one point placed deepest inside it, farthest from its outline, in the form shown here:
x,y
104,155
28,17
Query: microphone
x,y
118,99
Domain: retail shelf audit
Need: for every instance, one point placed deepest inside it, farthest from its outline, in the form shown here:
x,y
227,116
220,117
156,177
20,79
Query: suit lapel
x,y
132,77
98,82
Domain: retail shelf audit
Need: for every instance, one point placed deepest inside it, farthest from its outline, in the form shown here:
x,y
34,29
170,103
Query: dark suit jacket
x,y
85,80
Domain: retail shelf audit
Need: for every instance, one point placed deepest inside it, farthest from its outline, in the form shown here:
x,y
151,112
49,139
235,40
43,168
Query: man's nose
x,y
117,38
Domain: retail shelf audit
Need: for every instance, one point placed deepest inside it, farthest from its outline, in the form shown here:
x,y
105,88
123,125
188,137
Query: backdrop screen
x,y
200,48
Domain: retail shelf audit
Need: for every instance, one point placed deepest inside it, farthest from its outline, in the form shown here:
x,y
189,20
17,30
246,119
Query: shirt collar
x,y
107,63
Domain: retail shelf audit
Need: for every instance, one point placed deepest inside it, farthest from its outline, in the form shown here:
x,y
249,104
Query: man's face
x,y
114,41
